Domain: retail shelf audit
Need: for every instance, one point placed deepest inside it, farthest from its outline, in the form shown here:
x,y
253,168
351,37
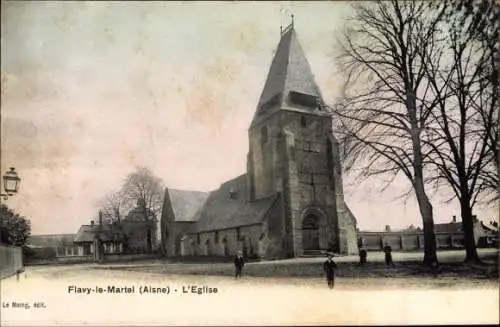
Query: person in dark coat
x,y
329,267
238,264
388,254
362,256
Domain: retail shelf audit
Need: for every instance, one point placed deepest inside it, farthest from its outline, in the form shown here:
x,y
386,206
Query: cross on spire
x,y
283,30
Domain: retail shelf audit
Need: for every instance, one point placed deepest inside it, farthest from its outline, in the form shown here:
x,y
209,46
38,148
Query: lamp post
x,y
11,183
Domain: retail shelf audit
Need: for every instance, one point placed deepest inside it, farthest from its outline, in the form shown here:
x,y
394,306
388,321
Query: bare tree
x,y
463,135
141,187
481,20
112,206
382,115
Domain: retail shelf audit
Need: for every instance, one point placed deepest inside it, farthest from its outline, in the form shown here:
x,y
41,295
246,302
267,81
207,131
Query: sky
x,y
90,90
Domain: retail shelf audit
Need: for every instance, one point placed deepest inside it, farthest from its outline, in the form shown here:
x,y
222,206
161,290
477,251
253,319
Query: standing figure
x,y
238,264
19,272
329,268
388,254
362,256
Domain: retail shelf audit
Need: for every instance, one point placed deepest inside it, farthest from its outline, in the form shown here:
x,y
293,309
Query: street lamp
x,y
11,183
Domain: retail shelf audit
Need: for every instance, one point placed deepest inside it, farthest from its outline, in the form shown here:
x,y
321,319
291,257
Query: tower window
x,y
303,121
303,99
263,135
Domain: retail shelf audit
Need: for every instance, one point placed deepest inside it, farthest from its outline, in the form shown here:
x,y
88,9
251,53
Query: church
x,y
290,201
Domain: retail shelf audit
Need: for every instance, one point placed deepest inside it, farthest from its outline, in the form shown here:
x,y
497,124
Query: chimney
x,y
100,217
387,228
474,218
92,223
454,220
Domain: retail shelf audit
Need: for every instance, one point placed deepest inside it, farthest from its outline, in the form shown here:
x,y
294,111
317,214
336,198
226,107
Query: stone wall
x,y
175,232
348,229
264,154
11,260
400,241
314,181
227,242
275,243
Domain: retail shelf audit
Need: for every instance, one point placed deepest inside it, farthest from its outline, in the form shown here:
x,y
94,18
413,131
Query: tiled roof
x,y
290,74
53,240
221,210
186,203
87,233
448,227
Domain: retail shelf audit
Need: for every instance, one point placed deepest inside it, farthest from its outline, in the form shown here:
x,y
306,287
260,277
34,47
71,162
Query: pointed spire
x,y
290,83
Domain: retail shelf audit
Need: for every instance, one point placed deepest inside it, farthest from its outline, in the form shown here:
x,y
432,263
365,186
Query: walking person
x,y
238,264
388,255
329,267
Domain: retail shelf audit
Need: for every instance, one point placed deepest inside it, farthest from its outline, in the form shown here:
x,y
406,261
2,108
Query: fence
x,y
90,259
11,260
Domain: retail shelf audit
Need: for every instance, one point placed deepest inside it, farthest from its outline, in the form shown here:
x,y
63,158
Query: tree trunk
x,y
425,206
430,256
468,228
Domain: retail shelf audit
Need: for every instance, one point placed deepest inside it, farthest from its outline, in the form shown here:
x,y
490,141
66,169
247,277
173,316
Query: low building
x,y
448,236
62,244
109,235
179,214
219,223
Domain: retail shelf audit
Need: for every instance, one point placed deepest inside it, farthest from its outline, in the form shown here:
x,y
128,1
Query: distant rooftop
x,y
51,240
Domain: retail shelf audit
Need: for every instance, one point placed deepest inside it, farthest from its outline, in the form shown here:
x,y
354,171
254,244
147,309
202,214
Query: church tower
x,y
293,152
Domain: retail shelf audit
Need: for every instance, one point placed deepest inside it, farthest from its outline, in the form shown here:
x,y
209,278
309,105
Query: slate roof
x,y
53,240
448,227
186,203
290,72
87,233
221,211
455,227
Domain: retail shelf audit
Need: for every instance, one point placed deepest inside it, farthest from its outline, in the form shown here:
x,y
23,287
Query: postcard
x,y
249,163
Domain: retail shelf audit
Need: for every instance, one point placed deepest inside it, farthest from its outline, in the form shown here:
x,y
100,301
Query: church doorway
x,y
310,232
